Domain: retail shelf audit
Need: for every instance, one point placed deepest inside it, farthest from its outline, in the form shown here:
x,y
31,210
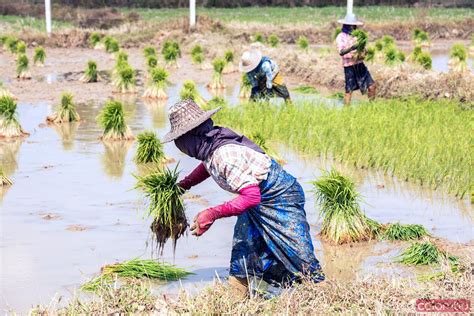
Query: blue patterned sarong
x,y
272,241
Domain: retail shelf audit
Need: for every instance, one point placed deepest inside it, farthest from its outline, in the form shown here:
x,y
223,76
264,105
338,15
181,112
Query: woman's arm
x,y
198,175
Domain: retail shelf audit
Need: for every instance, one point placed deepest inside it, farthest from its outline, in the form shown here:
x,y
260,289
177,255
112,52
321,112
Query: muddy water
x,y
72,209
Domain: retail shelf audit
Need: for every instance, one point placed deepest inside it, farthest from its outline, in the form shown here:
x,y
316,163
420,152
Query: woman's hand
x,y
203,221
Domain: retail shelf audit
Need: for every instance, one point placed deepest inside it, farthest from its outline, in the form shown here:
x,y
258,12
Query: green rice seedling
x,y
362,39
416,52
303,43
379,45
67,111
419,36
165,204
214,103
393,56
343,220
151,62
217,81
9,125
388,41
401,56
421,253
399,231
261,142
121,61
4,179
245,87
157,84
189,91
337,95
112,120
229,61
273,40
424,59
171,51
370,54
337,31
3,39
306,90
90,74
94,40
111,45
126,81
149,51
198,59
11,44
258,37
21,47
149,148
22,67
458,58
197,49
39,56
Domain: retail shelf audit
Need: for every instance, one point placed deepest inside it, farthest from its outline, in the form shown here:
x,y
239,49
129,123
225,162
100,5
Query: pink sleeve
x,y
249,197
198,175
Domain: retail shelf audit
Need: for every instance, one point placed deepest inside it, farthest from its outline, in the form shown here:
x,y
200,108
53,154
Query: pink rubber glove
x,y
249,197
197,176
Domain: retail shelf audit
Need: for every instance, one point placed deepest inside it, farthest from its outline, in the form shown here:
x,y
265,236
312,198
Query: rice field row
x,y
427,142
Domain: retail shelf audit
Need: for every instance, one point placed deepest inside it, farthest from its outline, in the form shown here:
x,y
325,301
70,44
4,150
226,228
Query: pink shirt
x,y
344,41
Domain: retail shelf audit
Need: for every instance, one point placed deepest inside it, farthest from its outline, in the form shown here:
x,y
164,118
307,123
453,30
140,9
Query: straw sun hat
x,y
350,19
250,60
184,116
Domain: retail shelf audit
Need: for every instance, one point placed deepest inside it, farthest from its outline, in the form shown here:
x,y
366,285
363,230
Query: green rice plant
x,y
393,56
306,90
303,43
197,58
165,204
4,179
217,81
343,220
171,51
11,44
370,54
214,103
125,81
261,142
197,49
9,125
67,111
273,40
362,39
121,61
90,74
379,45
458,57
388,41
189,91
111,45
419,36
421,253
416,52
22,67
39,56
149,149
3,39
337,31
151,62
245,87
229,56
157,84
149,51
401,56
258,37
337,95
21,47
94,40
399,231
112,120
424,59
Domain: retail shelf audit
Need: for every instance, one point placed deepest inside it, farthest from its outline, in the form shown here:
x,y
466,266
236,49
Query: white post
x,y
349,6
192,14
47,7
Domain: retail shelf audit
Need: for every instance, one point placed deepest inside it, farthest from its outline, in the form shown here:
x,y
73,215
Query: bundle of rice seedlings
x,y
306,90
21,47
4,91
393,56
458,58
424,59
149,51
149,149
217,83
399,231
401,56
111,45
10,44
420,36
273,40
261,142
135,269
39,57
370,54
198,59
189,91
229,59
379,45
421,253
121,61
258,37
343,220
94,41
67,111
303,43
4,179
165,205
9,125
171,51
362,39
388,41
151,62
197,49
22,68
416,52
90,74
112,120
157,84
245,87
125,81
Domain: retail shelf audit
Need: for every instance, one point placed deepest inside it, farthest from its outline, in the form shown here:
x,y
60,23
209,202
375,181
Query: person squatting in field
x,y
272,236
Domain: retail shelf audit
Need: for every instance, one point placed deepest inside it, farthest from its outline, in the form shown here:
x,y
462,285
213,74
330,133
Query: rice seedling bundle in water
x,y
111,45
10,44
229,59
126,81
393,56
388,41
198,59
149,148
165,205
67,111
424,59
112,120
217,81
149,51
121,62
151,62
416,52
420,36
343,220
197,49
259,38
94,40
22,67
399,231
39,57
21,47
273,40
370,56
9,125
303,42
4,179
421,253
245,87
90,74
171,51
157,84
189,91
458,57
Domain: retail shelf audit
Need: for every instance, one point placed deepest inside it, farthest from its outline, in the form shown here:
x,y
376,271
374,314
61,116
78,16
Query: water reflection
x,y
114,157
8,155
67,132
157,109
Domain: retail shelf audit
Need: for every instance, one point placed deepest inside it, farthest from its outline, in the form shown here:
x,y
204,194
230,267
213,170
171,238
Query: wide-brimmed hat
x,y
350,19
184,116
250,60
